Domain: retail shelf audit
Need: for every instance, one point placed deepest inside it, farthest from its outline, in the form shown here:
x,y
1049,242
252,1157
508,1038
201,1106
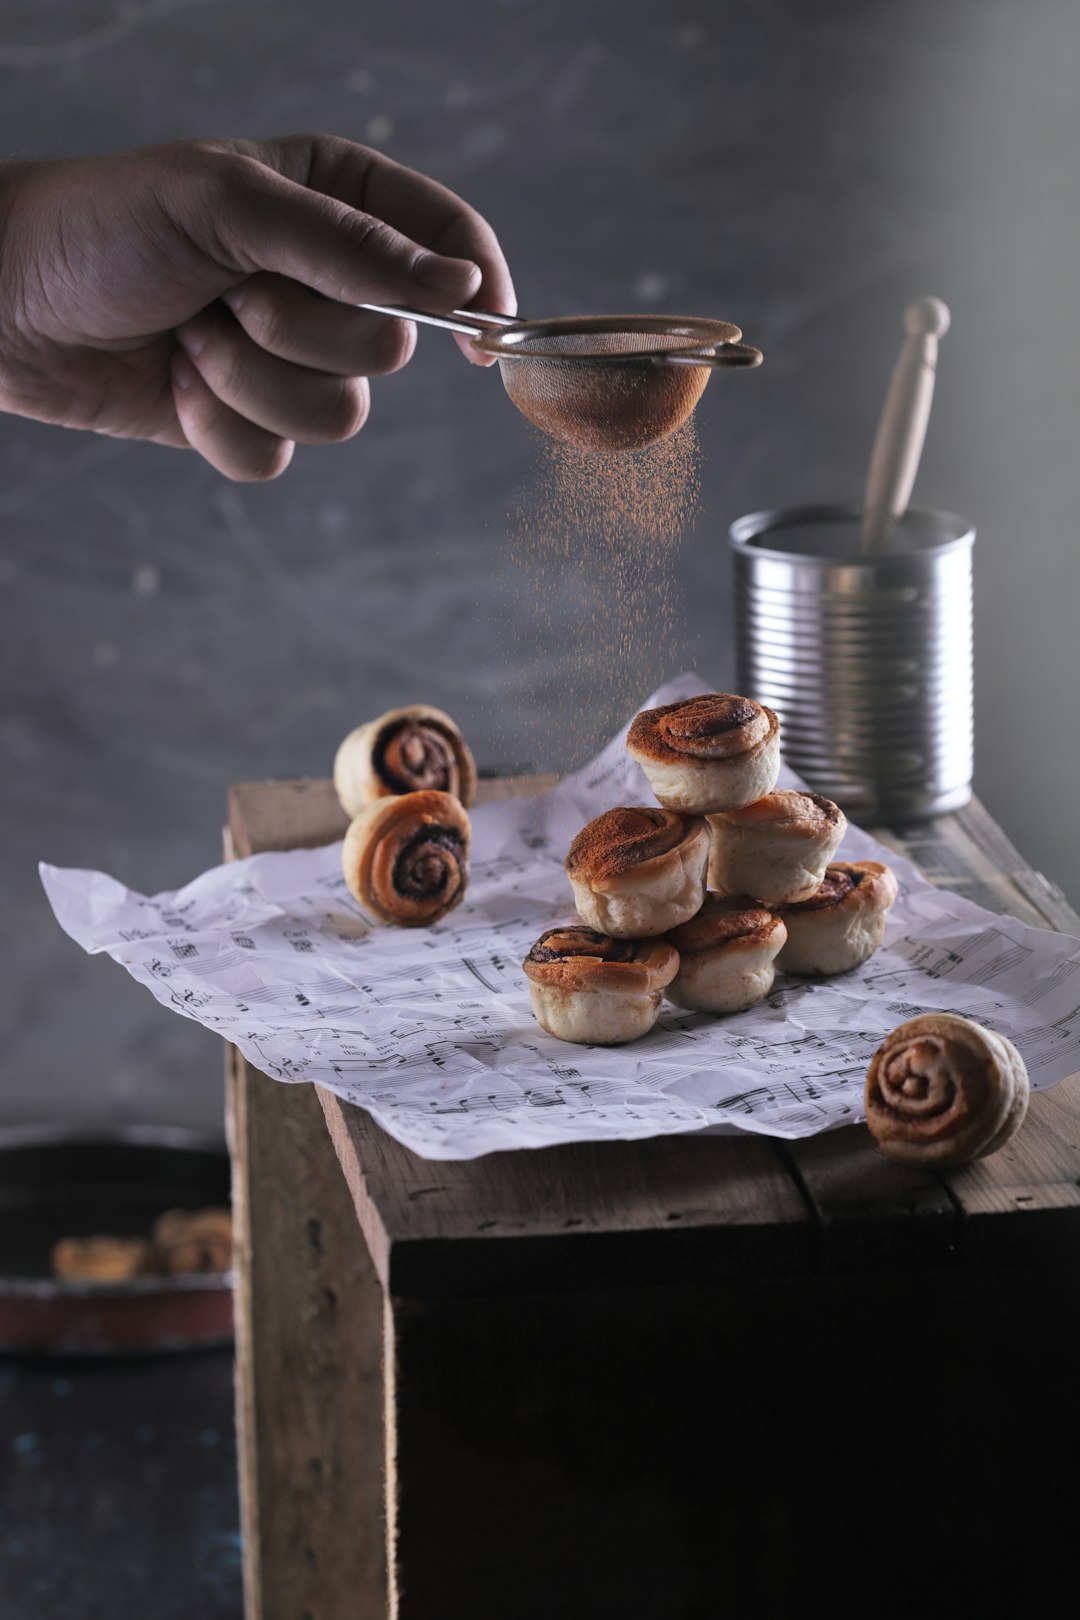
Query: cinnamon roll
x,y
707,753
406,860
101,1259
193,1240
777,848
726,955
597,991
842,924
941,1089
637,871
403,751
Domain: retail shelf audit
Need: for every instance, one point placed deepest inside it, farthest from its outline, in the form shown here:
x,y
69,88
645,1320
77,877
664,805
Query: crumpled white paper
x,y
431,1029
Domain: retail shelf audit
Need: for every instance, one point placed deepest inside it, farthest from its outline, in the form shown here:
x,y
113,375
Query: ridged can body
x,y
866,660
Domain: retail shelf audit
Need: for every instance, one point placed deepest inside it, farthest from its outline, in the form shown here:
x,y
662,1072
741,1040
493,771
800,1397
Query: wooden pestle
x,y
902,429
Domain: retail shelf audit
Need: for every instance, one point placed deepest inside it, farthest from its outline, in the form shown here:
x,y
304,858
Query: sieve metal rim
x,y
697,332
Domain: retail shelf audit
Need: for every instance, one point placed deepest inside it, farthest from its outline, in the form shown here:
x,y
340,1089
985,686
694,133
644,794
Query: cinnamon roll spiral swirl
x,y
842,923
638,871
406,859
941,1090
597,991
777,848
710,753
726,955
406,750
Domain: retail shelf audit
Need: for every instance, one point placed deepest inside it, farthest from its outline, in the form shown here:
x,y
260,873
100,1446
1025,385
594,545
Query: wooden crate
x,y
689,1376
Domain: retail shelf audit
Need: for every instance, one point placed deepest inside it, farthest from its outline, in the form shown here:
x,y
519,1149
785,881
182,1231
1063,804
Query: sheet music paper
x,y
432,1032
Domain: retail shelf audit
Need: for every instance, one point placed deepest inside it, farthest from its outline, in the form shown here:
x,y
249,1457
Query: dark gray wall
x,y
804,169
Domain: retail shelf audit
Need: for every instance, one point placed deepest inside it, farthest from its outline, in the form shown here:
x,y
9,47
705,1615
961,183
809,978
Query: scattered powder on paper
x,y
597,538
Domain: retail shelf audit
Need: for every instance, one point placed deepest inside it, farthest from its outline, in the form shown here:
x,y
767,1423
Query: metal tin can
x,y
867,660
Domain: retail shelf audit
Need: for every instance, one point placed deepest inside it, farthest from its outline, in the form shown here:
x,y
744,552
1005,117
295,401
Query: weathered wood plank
x,y
309,1329
948,855
583,1215
289,814
873,1213
1022,1205
1045,897
303,812
309,1382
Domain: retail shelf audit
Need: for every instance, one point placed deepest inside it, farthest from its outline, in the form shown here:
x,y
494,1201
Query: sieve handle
x,y
901,432
724,355
474,322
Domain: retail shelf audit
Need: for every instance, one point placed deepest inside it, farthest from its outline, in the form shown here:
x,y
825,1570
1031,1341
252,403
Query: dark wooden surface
x,y
309,1324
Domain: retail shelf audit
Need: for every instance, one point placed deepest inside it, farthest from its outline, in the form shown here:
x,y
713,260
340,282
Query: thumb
x,y
272,223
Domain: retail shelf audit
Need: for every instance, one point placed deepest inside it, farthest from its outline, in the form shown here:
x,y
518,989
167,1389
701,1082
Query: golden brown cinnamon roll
x,y
597,991
404,751
941,1089
777,848
193,1240
637,871
101,1259
707,753
843,923
726,955
407,859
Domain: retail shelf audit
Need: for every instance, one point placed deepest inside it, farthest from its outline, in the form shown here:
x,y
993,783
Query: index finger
x,y
430,213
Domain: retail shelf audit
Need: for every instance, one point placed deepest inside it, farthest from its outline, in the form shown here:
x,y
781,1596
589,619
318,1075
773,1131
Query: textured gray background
x,y
804,169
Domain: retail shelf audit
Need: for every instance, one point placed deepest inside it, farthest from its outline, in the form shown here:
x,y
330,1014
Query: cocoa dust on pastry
x,y
777,848
593,990
637,871
709,753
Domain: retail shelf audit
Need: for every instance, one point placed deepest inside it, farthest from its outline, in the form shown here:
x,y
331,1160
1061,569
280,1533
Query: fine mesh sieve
x,y
601,382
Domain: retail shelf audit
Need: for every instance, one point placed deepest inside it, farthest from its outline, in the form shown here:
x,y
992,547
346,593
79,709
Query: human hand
x,y
202,294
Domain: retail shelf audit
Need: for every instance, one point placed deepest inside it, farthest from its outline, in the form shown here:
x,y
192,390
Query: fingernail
x,y
193,334
234,298
457,276
474,356
183,372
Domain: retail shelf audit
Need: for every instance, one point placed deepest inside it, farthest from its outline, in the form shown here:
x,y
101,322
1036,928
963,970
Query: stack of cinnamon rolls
x,y
704,898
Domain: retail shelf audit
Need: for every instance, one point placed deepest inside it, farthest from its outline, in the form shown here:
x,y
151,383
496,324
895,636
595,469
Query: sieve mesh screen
x,y
595,405
604,383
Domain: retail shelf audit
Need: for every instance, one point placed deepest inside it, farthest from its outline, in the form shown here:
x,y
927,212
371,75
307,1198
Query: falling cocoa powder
x,y
596,539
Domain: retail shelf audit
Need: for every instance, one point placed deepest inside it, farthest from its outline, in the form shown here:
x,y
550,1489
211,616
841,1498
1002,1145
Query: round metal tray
x,y
57,1182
